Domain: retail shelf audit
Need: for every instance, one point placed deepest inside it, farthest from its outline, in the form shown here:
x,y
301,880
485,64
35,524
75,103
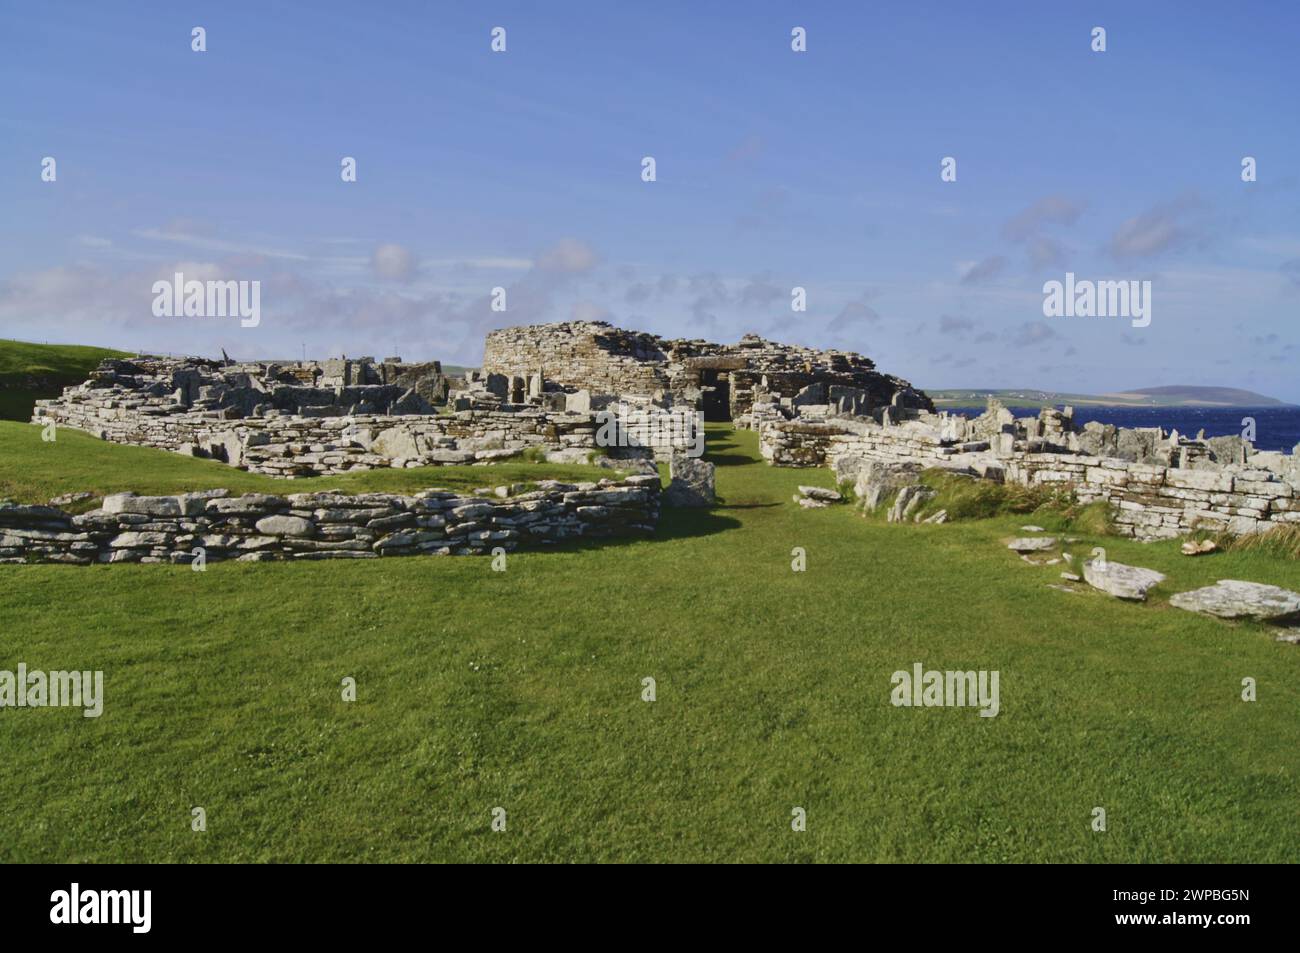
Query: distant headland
x,y
1175,395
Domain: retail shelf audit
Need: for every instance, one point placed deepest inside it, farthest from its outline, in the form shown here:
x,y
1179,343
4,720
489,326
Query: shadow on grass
x,y
674,523
728,459
683,523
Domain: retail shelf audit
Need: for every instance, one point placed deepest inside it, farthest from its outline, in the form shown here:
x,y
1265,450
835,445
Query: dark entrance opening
x,y
717,395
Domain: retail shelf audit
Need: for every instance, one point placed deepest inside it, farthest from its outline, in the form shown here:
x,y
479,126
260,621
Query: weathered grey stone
x,y
692,482
820,493
578,402
1032,544
398,441
908,501
1235,599
876,480
1121,581
248,503
64,499
147,505
140,540
285,526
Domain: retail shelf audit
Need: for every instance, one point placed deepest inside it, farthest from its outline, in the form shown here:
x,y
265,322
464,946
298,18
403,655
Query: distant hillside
x,y
1177,395
1200,396
29,372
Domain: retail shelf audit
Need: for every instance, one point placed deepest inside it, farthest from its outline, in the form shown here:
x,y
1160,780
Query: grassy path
x,y
522,689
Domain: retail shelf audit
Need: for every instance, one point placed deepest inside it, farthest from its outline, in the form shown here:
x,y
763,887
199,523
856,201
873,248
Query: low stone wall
x,y
1147,500
326,525
294,445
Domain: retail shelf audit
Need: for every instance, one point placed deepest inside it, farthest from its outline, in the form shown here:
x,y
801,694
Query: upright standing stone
x,y
692,482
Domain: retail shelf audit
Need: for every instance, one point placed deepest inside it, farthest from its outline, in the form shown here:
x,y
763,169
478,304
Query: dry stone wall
x,y
1148,499
325,525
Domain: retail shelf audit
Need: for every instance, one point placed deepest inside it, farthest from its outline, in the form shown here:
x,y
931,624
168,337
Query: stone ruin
x,y
233,391
556,388
1158,484
586,364
552,387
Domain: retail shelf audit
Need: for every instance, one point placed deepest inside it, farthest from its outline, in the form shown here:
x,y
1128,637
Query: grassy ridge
x,y
29,372
522,689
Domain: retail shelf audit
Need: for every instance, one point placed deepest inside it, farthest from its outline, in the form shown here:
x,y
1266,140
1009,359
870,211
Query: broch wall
x,y
723,380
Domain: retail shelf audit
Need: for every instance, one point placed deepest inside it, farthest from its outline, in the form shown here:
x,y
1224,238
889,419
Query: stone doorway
x,y
717,395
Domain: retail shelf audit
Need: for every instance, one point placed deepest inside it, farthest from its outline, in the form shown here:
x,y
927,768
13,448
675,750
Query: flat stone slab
x,y
1119,580
819,493
1235,599
1036,544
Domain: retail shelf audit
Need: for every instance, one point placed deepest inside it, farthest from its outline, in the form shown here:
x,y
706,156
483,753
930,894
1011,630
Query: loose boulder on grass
x,y
1235,599
1122,582
820,493
1032,544
692,482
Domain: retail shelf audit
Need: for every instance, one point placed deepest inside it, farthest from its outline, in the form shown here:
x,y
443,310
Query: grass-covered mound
x,y
522,689
30,372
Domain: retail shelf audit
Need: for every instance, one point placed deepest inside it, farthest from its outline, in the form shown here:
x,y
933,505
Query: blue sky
x,y
775,169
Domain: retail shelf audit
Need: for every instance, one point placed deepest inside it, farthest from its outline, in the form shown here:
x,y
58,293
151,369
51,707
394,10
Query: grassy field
x,y
522,689
32,371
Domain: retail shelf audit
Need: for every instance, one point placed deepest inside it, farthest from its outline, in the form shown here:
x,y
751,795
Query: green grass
x,y
33,471
522,688
49,366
